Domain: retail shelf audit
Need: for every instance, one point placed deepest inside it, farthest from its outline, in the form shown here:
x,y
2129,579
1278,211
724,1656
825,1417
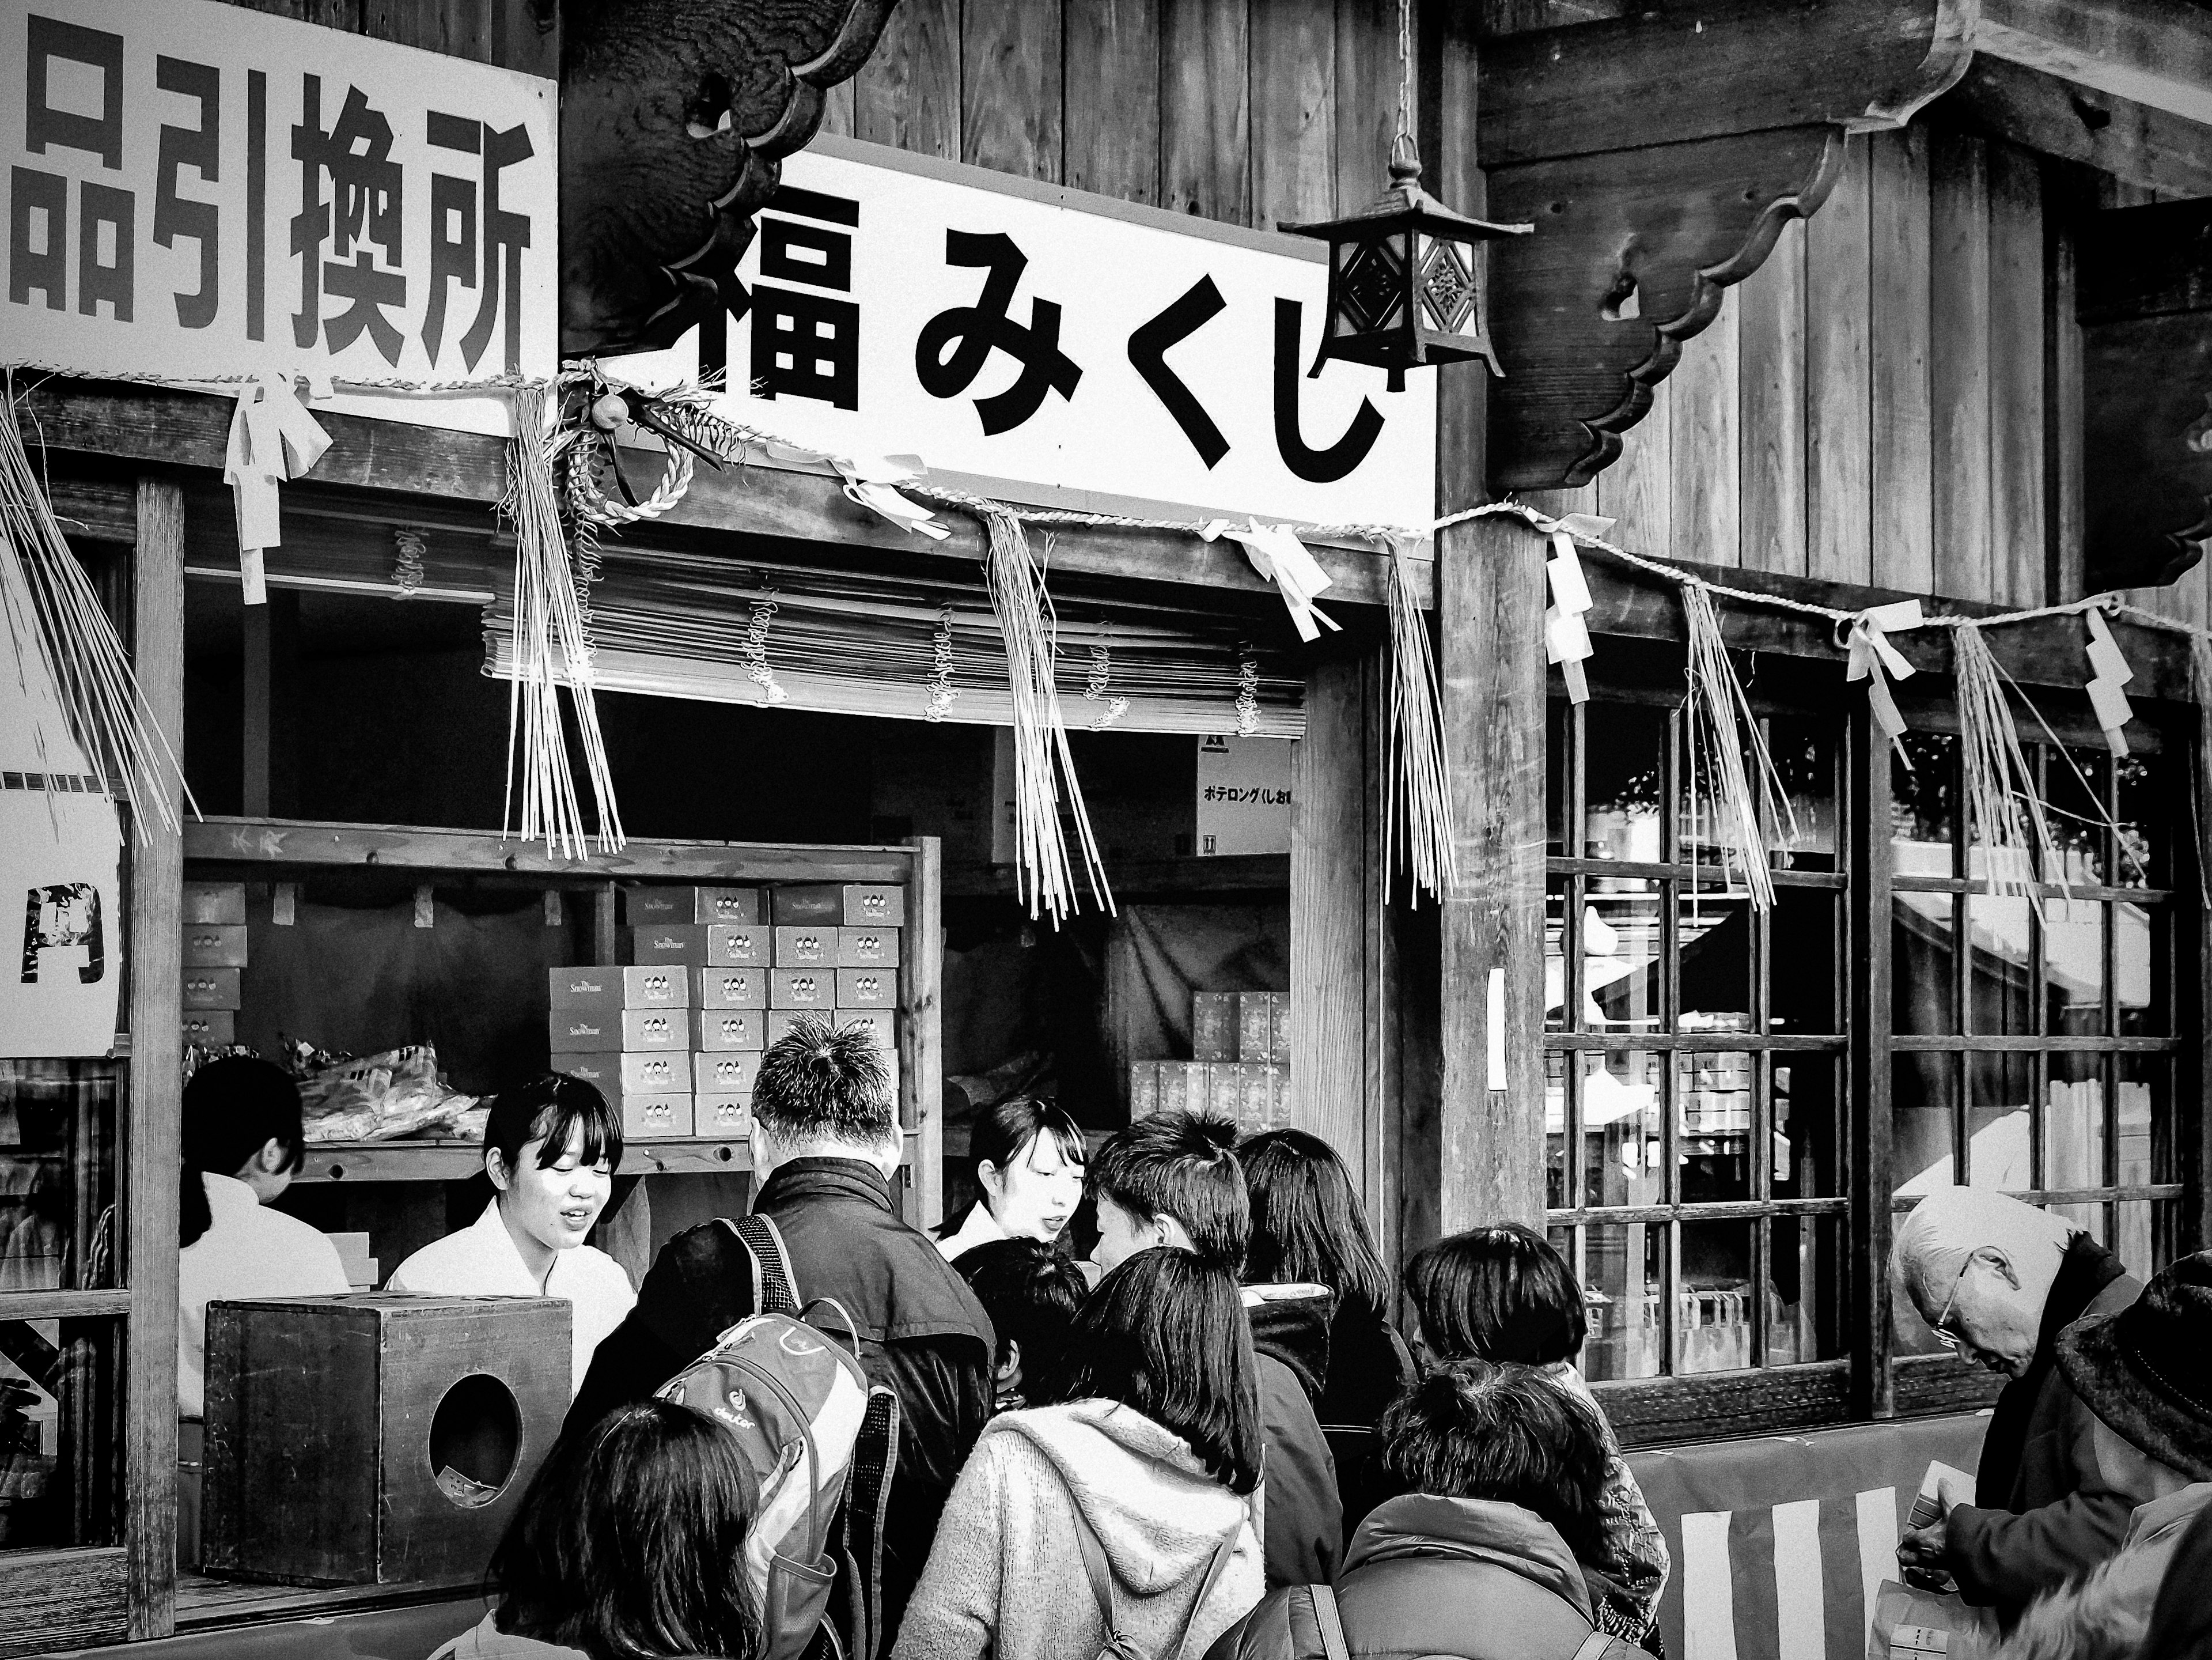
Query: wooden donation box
x,y
374,1439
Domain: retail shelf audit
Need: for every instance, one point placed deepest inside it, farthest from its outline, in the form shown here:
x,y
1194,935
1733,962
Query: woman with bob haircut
x,y
629,1544
1027,1156
1140,1462
550,1148
1501,1294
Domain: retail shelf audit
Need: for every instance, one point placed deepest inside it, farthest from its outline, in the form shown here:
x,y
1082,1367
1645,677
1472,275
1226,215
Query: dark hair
x,y
1183,1165
817,1081
1165,1334
1500,1294
233,1107
630,1540
1470,1430
1031,1293
1307,1222
1004,1132
553,1108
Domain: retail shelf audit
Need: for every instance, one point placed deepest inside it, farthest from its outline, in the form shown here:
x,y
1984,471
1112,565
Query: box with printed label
x,y
719,1031
655,1117
867,989
1259,1095
1183,1086
1282,1030
214,945
868,948
802,988
656,986
732,947
585,1032
215,902
666,1072
585,988
665,942
726,1073
721,1115
732,988
1256,1025
805,947
211,988
644,905
656,1029
780,1021
809,904
872,905
1214,1025
881,1024
1223,1087
212,1028
1144,1089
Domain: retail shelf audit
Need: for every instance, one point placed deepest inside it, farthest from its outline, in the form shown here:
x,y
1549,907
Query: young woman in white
x,y
1029,1159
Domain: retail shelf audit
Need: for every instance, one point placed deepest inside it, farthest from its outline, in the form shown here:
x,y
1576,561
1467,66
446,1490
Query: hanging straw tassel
x,y
1718,716
54,618
2005,813
1418,803
551,644
1044,874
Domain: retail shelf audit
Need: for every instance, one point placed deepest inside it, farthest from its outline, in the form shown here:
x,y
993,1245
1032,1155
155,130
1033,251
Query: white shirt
x,y
248,1251
978,1227
482,1261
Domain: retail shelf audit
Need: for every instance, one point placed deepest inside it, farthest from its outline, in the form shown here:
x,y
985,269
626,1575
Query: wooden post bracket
x,y
1659,156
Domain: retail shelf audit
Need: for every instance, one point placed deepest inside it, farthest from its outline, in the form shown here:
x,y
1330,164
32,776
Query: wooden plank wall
x,y
1869,407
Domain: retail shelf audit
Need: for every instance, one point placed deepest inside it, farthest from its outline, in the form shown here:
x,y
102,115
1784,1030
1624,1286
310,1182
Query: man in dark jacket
x,y
825,1141
1998,1280
1173,1179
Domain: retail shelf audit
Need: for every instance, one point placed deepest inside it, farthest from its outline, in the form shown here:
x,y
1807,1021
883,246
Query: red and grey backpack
x,y
786,1382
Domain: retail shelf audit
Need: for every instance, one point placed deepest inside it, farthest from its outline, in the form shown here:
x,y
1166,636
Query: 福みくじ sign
x,y
1052,347
196,191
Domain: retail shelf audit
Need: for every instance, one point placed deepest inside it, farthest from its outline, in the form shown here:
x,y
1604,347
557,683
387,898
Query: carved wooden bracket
x,y
2145,309
1659,156
674,114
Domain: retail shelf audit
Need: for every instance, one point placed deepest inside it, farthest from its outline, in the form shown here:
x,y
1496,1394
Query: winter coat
x,y
2181,1620
1368,1367
921,1330
2045,1511
1005,1576
1468,1579
1303,1509
2107,1615
1629,1570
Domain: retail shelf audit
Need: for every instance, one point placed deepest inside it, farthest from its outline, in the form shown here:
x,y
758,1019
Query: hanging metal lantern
x,y
1405,278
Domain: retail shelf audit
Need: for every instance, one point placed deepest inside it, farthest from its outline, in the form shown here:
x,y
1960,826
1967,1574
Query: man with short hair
x,y
1998,1280
1173,1179
826,1142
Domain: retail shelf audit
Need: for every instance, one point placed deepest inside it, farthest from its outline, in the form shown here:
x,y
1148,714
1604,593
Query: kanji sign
x,y
197,191
1056,347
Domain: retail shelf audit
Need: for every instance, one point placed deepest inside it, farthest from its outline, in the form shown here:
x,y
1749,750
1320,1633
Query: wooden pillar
x,y
152,1146
921,1041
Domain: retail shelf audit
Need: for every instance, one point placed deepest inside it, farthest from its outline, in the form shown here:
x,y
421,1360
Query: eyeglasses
x,y
1949,1339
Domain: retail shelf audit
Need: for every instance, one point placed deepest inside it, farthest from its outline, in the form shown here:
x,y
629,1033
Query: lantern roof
x,y
1404,205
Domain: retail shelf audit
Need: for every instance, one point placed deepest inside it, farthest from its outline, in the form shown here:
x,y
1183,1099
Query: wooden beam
x,y
1333,795
921,1027
2136,143
152,1143
2157,53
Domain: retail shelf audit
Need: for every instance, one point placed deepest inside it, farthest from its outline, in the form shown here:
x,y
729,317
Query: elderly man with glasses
x,y
1998,1280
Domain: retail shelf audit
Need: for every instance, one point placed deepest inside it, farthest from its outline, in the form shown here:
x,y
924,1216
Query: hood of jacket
x,y
1291,1323
1153,1506
1471,1529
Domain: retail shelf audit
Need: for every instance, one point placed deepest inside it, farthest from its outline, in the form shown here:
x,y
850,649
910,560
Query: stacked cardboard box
x,y
1240,1064
835,958
626,1029
213,957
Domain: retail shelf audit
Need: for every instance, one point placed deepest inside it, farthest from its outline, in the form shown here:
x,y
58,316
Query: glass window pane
x,y
2143,1126
1809,1131
2073,967
2142,861
1804,755
2074,806
61,1433
1922,968
1712,1127
2143,1235
1621,938
1998,1089
2139,948
1620,1282
1923,803
1556,717
2073,1130
1803,967
1713,940
2002,978
1624,746
1620,1127
1555,967
1555,1130
1924,1117
1804,1302
1713,1314
58,1175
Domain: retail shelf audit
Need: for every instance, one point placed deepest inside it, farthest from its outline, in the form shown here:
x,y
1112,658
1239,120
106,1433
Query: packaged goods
x,y
215,902
867,989
1256,1025
214,945
684,943
880,1022
374,1098
868,948
721,1115
653,1073
211,1029
728,1072
1282,1044
655,1117
812,904
726,1031
732,988
656,1029
802,988
1144,1088
805,947
1214,1025
646,904
1184,1085
600,1068
211,988
585,1032
867,905
648,985
732,947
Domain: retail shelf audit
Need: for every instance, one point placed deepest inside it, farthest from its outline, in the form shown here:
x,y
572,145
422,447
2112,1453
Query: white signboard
x,y
1243,794
196,190
1058,347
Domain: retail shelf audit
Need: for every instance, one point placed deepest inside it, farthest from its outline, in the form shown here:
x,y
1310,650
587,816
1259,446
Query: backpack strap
x,y
1100,1573
1330,1620
1220,1565
776,1288
867,1507
1598,1644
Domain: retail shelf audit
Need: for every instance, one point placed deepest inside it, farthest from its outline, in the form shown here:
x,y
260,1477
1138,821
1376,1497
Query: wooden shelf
x,y
456,1161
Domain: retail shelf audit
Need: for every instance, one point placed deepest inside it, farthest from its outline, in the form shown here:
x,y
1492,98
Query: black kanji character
x,y
200,148
1148,348
954,344
805,344
456,235
365,205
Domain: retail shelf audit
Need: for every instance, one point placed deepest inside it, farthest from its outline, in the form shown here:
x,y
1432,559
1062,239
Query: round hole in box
x,y
475,1439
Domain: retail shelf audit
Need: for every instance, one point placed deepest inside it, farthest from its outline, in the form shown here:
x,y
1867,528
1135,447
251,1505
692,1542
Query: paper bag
x,y
1922,1625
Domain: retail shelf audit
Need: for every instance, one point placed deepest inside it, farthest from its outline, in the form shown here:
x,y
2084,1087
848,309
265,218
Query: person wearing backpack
x,y
1113,1519
1479,1558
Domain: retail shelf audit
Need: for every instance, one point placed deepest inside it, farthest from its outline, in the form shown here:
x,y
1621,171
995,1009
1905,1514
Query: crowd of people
x,y
1207,1436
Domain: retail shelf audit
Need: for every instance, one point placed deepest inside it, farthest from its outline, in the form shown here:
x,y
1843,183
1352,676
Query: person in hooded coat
x,y
1142,1456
